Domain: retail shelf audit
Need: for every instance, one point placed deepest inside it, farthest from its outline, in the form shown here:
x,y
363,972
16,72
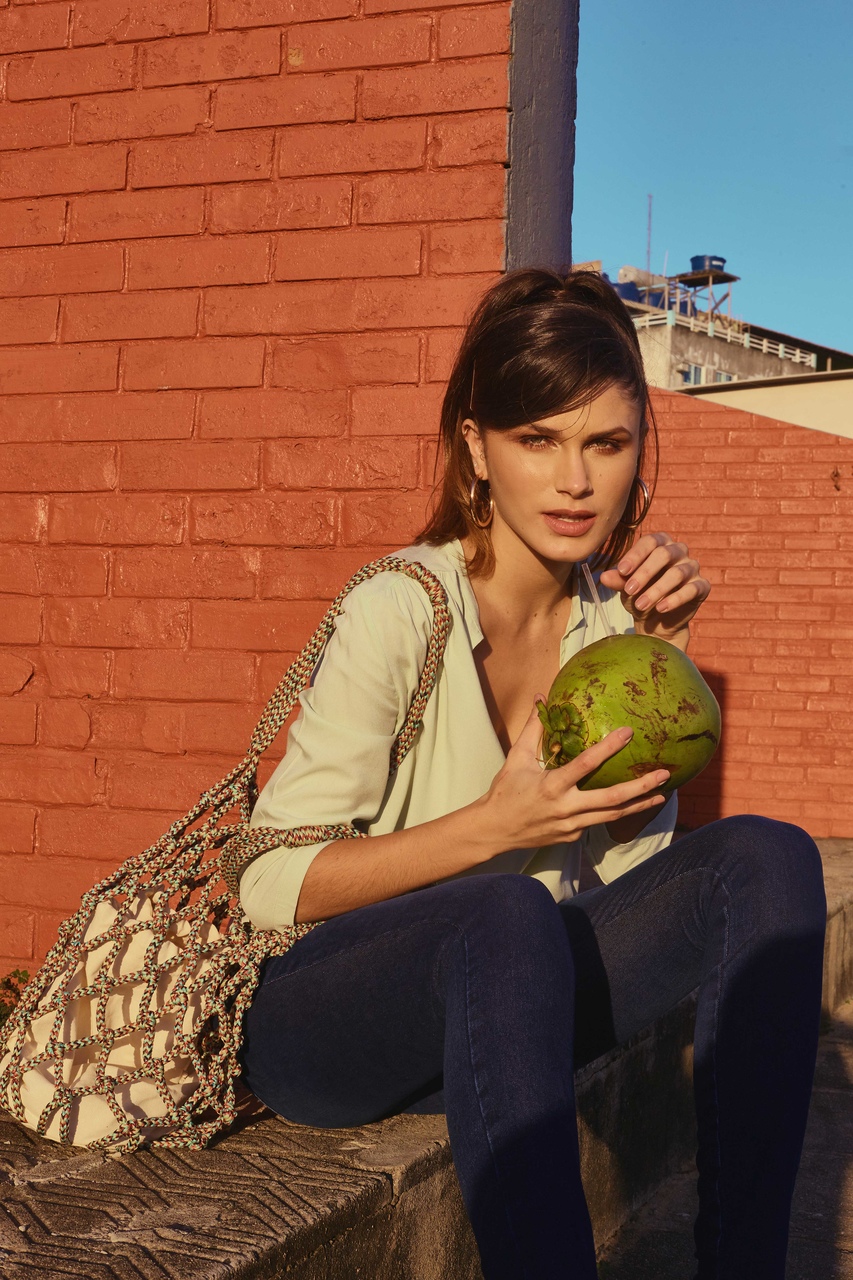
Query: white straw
x,y
605,625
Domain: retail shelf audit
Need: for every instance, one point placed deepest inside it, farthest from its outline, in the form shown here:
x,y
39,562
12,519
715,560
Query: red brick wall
x,y
237,242
766,507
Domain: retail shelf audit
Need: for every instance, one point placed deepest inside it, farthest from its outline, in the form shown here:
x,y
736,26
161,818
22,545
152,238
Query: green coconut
x,y
639,681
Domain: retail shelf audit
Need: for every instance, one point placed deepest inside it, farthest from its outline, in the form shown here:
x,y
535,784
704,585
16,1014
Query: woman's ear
x,y
474,440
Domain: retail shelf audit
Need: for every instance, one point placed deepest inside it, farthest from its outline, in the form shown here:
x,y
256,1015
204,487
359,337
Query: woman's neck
x,y
524,589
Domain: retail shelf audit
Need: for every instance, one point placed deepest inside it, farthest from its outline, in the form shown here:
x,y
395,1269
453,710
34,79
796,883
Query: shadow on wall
x,y
701,801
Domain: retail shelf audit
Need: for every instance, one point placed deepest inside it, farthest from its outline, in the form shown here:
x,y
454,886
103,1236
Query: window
x,y
692,375
721,376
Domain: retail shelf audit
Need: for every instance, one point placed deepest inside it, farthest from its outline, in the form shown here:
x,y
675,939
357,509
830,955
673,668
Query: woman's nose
x,y
572,477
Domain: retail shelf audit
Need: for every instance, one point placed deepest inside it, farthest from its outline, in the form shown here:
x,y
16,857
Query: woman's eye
x,y
535,442
607,446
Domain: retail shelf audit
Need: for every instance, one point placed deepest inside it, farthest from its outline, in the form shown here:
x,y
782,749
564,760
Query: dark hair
x,y
537,344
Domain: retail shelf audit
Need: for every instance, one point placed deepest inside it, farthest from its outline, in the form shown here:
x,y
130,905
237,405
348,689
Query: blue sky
x,y
738,118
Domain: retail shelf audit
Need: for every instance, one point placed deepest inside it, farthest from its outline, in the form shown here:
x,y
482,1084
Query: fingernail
x,y
631,587
624,566
643,602
661,776
626,733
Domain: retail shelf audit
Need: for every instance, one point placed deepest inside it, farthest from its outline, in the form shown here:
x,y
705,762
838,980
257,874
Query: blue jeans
x,y
488,989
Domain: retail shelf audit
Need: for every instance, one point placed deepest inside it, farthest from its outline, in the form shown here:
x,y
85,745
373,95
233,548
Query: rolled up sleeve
x,y
335,769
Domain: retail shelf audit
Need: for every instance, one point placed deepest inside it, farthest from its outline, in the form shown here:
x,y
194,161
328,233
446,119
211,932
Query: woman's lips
x,y
569,527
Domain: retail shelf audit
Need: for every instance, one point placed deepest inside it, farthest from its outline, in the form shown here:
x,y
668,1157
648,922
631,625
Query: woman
x,y
459,968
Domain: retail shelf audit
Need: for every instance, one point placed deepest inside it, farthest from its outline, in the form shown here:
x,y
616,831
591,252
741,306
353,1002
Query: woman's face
x,y
561,484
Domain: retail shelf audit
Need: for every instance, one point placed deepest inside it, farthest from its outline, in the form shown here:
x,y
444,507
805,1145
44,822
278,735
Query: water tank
x,y
707,262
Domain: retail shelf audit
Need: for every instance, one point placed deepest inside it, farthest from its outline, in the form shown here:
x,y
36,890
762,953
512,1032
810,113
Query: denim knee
x,y
782,862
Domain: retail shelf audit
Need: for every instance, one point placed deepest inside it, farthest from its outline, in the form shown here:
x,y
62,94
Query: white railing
x,y
724,332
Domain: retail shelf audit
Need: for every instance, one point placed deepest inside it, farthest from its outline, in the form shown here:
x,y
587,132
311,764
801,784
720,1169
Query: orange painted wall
x,y
237,242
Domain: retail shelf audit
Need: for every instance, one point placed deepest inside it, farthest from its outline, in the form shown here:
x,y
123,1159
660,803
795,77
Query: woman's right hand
x,y
529,805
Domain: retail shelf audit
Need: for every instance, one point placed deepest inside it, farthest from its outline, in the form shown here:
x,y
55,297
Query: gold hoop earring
x,y
481,521
635,524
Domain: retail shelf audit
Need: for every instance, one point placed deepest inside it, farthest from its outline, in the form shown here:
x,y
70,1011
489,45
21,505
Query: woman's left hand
x,y
660,585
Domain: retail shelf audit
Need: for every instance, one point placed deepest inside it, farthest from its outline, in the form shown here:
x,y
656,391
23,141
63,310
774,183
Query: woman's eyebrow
x,y
555,431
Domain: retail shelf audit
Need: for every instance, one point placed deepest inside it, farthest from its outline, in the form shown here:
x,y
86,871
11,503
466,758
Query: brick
x,y
53,883
288,100
17,932
17,828
308,575
344,361
155,314
468,246
53,571
210,260
22,519
70,71
99,21
169,673
18,723
34,124
396,411
197,362
384,6
223,157
280,206
256,414
442,348
342,306
137,214
20,620
185,572
224,55
475,138
28,319
465,33
383,519
117,520
172,785
51,777
154,416
29,222
24,29
65,368
15,673
259,13
341,464
72,672
371,42
139,114
301,520
97,833
432,195
221,727
439,87
62,170
123,624
64,723
329,255
48,468
188,465
254,626
354,147
69,269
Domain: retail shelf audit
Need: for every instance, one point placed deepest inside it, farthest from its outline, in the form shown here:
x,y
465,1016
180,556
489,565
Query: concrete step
x,y
273,1199
657,1242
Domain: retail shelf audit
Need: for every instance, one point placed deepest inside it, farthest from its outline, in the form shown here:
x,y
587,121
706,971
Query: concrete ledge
x,y
274,1199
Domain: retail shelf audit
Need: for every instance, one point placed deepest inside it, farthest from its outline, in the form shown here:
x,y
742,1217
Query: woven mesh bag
x,y
130,1031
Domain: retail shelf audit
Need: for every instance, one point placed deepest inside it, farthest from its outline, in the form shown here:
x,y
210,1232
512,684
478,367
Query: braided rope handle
x,y
249,843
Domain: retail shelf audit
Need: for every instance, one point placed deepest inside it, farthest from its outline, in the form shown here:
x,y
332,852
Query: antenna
x,y
649,240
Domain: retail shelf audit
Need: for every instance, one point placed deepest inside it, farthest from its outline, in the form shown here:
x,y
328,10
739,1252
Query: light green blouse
x,y
335,769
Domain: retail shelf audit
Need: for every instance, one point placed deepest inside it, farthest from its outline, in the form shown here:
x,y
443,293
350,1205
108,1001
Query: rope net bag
x,y
130,1032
